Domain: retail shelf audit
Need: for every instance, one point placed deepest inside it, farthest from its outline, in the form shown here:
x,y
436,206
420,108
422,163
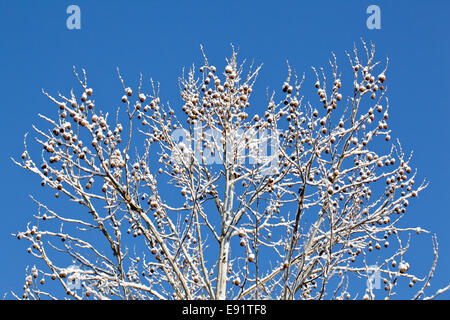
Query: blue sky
x,y
158,38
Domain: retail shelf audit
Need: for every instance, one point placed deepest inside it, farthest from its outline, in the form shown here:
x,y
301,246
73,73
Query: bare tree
x,y
286,205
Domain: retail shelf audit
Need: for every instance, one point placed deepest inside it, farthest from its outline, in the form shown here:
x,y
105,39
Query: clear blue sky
x,y
158,38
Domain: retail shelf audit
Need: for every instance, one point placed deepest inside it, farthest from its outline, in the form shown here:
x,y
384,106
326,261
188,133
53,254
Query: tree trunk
x,y
221,287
